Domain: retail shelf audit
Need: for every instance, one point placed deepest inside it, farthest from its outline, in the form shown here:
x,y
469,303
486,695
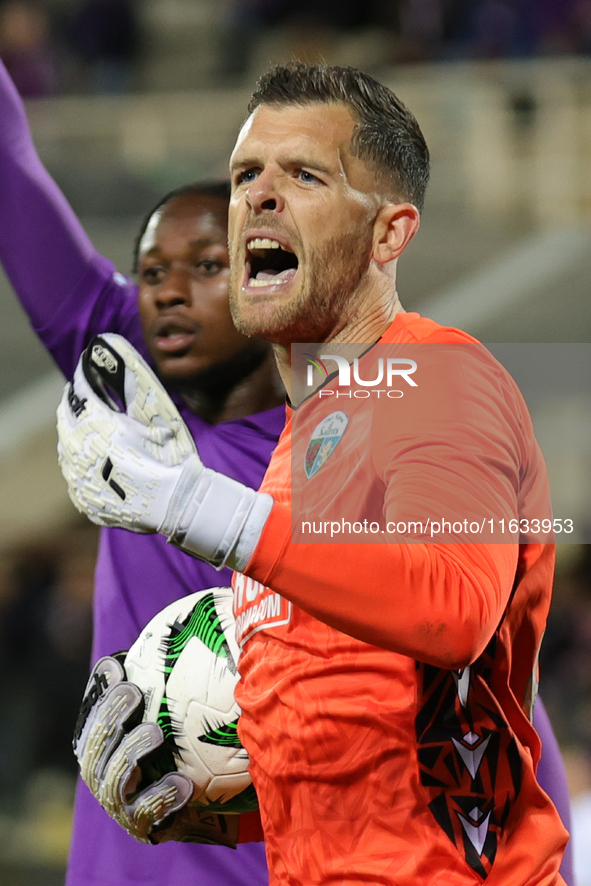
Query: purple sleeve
x,y
552,778
48,258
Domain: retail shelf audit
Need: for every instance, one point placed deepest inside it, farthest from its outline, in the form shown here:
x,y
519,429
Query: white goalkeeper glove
x,y
129,461
108,757
110,751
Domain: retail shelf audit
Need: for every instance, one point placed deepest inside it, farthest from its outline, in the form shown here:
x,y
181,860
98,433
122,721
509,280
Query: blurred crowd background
x,y
128,99
74,46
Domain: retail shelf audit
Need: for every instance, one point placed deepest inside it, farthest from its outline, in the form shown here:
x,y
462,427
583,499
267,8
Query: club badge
x,y
323,442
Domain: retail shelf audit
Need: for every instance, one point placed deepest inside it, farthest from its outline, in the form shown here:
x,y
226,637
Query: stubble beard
x,y
325,299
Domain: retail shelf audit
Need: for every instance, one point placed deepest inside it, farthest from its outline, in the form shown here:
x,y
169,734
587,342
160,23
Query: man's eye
x,y
248,176
152,275
209,268
307,177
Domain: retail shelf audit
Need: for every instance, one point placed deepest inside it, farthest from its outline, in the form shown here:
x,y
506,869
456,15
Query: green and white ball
x,y
185,663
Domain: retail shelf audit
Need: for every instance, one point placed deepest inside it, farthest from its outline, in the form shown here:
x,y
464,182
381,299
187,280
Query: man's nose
x,y
264,193
175,289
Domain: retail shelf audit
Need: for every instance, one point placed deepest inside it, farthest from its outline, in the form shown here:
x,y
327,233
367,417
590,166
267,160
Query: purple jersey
x,y
136,577
70,294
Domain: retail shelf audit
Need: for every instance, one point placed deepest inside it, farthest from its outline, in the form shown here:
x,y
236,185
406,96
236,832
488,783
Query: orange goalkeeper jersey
x,y
386,688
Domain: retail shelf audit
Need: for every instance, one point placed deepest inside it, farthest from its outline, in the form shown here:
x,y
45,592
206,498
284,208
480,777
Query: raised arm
x,y
45,252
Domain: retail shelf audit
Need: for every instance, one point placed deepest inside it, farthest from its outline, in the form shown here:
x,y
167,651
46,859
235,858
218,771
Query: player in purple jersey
x,y
70,293
223,384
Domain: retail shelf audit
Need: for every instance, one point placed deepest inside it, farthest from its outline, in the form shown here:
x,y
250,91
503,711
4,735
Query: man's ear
x,y
394,227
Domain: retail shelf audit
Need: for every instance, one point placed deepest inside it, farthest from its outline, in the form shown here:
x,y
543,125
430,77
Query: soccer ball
x,y
184,661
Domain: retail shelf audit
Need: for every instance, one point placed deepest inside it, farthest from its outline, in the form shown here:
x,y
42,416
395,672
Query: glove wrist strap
x,y
220,519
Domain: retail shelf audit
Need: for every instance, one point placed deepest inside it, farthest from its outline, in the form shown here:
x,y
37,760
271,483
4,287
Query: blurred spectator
x,y
489,28
29,578
565,661
581,26
243,22
45,637
421,28
105,35
578,769
313,25
60,659
552,25
415,30
12,765
24,47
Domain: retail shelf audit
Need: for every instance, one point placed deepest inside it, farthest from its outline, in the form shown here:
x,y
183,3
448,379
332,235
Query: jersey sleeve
x,y
46,254
439,603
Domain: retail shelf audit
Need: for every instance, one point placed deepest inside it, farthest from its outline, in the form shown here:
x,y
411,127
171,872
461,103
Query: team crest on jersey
x,y
323,442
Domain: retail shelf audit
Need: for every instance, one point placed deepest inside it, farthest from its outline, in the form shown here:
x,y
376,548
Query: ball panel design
x,y
185,663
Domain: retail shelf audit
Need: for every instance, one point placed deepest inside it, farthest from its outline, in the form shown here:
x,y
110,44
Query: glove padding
x,y
110,749
193,824
122,445
129,461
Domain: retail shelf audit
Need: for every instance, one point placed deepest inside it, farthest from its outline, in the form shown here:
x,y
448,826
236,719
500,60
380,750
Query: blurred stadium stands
x,y
504,251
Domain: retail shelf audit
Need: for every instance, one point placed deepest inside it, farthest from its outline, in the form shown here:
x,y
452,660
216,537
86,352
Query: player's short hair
x,y
386,136
211,188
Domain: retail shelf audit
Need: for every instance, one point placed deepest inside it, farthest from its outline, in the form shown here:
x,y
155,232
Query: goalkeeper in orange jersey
x,y
387,687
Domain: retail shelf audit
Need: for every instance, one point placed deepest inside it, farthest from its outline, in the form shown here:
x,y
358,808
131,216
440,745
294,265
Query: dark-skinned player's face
x,y
184,270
